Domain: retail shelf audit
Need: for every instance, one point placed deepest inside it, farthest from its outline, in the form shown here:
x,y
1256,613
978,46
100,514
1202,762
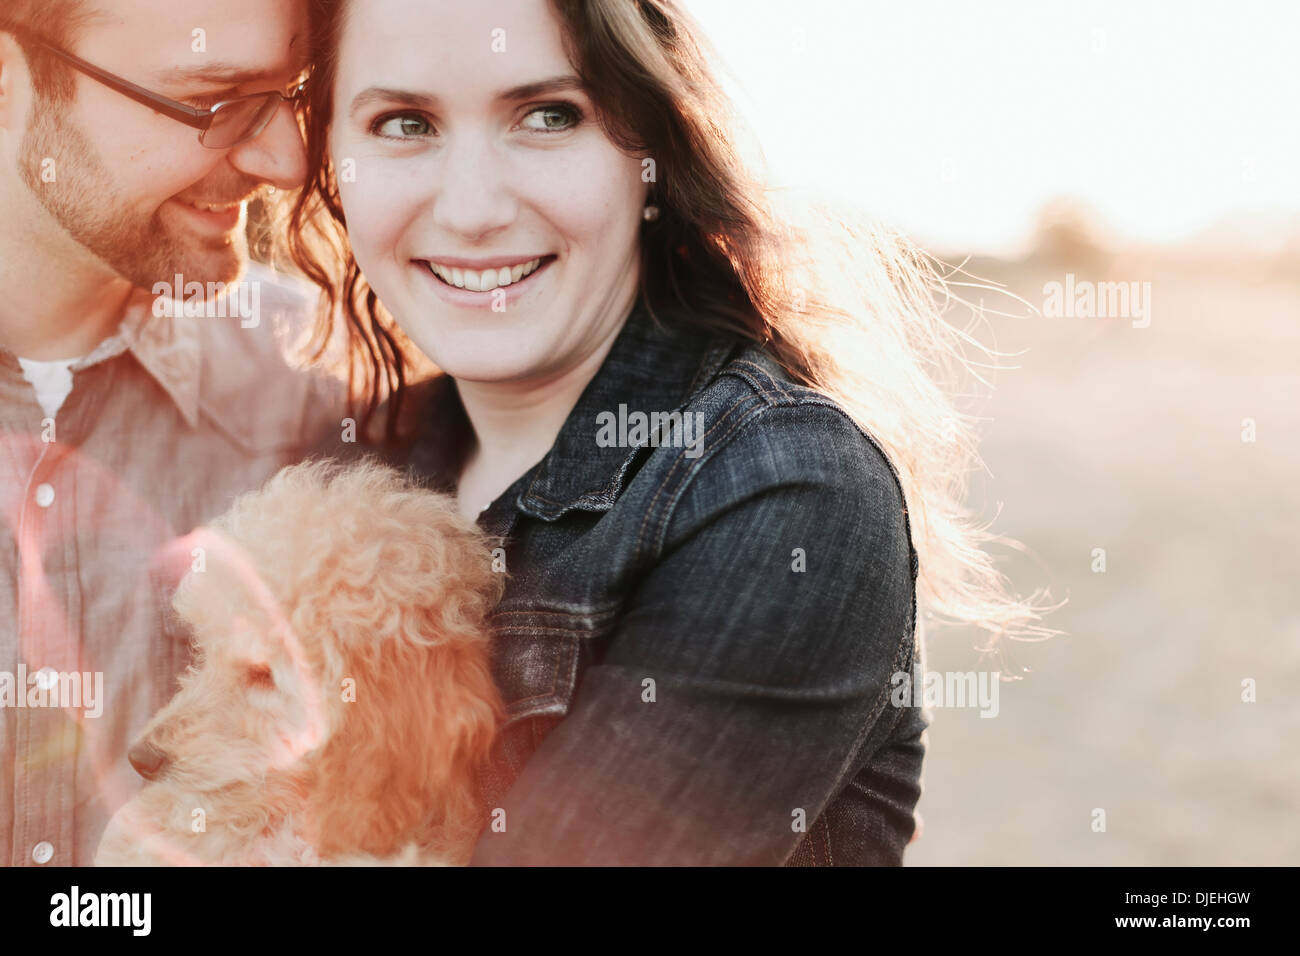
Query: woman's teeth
x,y
488,279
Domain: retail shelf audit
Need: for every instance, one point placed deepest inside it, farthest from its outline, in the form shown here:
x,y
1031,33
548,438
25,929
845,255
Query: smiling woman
x,y
697,641
501,170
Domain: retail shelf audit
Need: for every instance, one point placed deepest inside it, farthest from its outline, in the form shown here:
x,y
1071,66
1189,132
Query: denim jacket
x,y
700,623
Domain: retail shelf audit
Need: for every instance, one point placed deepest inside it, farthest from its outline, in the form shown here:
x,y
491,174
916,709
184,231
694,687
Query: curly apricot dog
x,y
340,701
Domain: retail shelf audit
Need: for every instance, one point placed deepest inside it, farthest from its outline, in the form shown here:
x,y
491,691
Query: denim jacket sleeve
x,y
750,668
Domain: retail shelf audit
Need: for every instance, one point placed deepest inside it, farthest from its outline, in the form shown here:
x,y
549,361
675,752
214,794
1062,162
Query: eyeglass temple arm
x,y
189,115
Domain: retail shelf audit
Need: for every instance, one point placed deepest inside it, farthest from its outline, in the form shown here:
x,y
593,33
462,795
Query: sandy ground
x,y
1127,439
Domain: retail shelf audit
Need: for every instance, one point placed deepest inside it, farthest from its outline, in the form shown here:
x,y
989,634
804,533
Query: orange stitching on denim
x,y
770,379
554,679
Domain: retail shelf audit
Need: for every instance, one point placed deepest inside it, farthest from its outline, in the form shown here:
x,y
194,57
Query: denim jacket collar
x,y
653,366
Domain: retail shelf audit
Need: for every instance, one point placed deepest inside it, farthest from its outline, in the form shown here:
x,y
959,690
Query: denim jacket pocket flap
x,y
538,655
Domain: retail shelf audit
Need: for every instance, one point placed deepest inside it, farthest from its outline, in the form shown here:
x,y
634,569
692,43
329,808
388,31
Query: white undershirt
x,y
52,381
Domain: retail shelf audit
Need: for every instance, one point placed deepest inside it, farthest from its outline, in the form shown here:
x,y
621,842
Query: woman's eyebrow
x,y
383,94
556,84
427,101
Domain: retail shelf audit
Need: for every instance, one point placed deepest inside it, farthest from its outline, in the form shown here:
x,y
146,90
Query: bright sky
x,y
957,119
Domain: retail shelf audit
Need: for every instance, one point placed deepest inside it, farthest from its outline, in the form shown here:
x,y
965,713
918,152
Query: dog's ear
x,y
403,763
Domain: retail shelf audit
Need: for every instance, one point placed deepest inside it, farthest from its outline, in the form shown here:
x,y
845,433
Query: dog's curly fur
x,y
341,701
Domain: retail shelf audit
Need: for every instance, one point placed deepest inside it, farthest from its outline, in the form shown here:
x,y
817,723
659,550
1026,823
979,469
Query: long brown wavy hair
x,y
853,311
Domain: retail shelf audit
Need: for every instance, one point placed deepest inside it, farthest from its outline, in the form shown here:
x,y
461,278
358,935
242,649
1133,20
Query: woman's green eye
x,y
552,119
405,126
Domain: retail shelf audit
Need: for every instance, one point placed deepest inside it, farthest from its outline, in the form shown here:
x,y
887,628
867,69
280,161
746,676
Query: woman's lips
x,y
475,282
484,279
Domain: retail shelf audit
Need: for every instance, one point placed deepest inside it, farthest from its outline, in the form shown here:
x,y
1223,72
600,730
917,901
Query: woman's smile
x,y
484,275
484,282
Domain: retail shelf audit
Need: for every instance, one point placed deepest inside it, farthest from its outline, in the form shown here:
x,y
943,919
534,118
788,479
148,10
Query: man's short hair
x,y
58,21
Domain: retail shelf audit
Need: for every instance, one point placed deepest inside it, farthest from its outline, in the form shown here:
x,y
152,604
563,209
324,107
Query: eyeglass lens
x,y
240,120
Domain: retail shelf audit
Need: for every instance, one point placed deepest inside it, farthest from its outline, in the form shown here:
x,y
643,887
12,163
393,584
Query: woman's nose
x,y
147,759
475,198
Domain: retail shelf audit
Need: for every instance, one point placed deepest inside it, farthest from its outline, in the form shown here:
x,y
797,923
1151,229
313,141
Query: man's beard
x,y
82,199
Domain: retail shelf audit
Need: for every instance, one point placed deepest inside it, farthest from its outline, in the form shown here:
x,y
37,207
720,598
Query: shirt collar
x,y
168,348
165,346
657,364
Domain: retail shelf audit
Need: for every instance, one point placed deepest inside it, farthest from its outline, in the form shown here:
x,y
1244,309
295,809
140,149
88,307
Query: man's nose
x,y
147,759
277,155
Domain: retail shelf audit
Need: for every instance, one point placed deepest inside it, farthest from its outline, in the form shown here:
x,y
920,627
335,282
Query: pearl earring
x,y
650,213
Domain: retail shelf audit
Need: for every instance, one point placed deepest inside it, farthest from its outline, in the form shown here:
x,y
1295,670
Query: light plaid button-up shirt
x,y
168,421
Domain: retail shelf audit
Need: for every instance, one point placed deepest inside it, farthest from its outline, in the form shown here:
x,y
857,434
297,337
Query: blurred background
x,y
1131,141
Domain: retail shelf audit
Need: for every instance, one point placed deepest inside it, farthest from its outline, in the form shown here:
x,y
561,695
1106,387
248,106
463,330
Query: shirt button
x,y
45,495
46,678
43,852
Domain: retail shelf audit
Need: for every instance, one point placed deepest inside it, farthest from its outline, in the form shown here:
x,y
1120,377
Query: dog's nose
x,y
147,759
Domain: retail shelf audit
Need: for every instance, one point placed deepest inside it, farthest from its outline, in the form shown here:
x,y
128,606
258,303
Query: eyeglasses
x,y
220,126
